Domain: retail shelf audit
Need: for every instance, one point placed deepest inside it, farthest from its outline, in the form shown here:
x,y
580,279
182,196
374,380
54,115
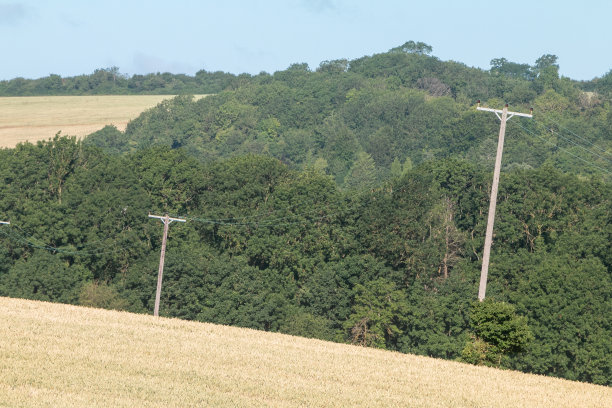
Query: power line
x,y
235,220
578,136
28,241
274,222
577,144
564,150
270,222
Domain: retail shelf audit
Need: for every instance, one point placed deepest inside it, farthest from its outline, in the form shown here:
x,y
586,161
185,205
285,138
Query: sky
x,y
74,37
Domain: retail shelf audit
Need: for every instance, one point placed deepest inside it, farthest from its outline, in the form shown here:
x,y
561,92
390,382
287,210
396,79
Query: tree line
x,y
110,81
448,77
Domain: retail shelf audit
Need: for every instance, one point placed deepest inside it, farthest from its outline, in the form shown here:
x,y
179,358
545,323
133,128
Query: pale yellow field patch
x,y
67,356
33,118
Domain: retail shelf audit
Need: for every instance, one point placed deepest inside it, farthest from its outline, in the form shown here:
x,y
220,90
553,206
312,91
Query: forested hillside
x,y
367,119
347,203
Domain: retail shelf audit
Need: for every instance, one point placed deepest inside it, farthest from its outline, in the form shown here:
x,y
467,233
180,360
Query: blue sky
x,y
72,37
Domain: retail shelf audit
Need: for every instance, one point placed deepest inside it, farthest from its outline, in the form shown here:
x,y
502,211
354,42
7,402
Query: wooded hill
x,y
364,120
346,204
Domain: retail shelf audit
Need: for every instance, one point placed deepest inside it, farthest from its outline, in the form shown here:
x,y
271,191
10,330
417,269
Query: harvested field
x,y
59,355
33,118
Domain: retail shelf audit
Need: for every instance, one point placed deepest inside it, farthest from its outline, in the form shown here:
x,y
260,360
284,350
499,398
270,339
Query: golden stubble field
x,y
67,356
33,118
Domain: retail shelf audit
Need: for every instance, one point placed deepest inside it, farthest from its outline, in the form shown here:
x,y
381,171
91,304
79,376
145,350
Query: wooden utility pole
x,y
166,220
505,115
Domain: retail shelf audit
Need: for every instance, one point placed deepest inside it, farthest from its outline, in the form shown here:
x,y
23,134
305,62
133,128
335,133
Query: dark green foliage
x,y
108,138
44,276
566,298
304,324
438,315
378,315
246,296
497,331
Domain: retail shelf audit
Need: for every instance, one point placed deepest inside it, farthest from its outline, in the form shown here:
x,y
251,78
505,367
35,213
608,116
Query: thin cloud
x,y
12,13
70,21
319,6
145,64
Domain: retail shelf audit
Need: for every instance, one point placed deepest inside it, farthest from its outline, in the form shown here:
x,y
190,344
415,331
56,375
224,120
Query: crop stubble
x,y
59,355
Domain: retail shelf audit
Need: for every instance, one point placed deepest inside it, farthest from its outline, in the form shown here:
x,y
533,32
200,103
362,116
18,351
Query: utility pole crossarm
x,y
510,114
165,218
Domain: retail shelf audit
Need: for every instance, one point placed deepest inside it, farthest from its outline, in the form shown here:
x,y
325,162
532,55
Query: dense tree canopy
x,y
268,247
403,106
